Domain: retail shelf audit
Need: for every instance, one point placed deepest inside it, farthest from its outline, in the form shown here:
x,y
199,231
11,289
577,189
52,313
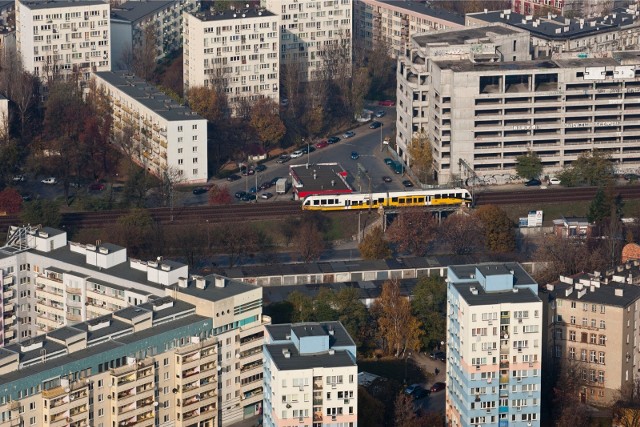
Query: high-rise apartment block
x,y
159,134
568,8
591,328
63,37
311,31
494,346
310,375
237,49
391,23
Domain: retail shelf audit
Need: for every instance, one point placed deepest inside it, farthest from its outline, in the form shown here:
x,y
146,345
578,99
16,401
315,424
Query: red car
x,y
322,144
387,103
96,186
436,387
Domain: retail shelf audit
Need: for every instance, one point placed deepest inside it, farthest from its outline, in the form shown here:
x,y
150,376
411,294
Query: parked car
x,y
308,149
253,190
248,197
386,178
296,154
96,186
274,180
355,155
233,177
420,393
19,178
375,125
436,387
284,102
532,183
266,195
200,190
438,355
407,183
322,143
260,168
26,197
284,158
247,171
240,194
409,390
381,113
265,185
387,103
50,181
348,134
333,139
388,161
631,176
554,181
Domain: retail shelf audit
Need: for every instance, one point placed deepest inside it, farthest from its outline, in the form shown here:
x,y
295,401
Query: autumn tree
x,y
413,231
370,409
236,242
398,329
590,168
421,156
404,413
42,211
205,101
187,241
10,201
461,232
374,246
309,242
566,396
266,122
529,166
626,409
220,195
429,304
498,229
302,307
291,82
568,256
136,231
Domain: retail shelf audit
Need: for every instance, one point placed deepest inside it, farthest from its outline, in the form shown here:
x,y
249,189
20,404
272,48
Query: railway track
x,y
549,195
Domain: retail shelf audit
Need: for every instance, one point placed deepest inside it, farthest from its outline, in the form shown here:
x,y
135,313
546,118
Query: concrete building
x,y
7,28
237,49
552,34
494,346
63,37
4,117
321,178
310,375
135,21
568,8
159,134
123,333
591,327
311,31
393,23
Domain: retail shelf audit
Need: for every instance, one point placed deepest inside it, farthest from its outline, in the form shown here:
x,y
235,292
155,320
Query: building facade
x,y
569,8
310,375
392,23
552,34
311,31
591,329
63,38
159,134
235,49
494,346
135,23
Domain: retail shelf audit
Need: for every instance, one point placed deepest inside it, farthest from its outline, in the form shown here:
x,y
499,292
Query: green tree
x,y
353,315
529,165
323,304
136,232
374,246
370,409
498,229
302,307
590,168
599,209
40,211
421,156
429,305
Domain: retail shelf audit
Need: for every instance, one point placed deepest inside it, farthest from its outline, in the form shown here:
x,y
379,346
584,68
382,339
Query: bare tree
x,y
626,410
145,52
291,82
309,242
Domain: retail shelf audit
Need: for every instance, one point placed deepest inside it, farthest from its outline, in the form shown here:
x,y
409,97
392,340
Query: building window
x,y
573,320
179,128
583,355
601,377
592,356
602,324
195,172
572,353
602,340
572,335
592,339
194,127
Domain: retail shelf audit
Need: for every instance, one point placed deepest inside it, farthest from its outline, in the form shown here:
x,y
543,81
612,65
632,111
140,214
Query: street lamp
x,y
308,152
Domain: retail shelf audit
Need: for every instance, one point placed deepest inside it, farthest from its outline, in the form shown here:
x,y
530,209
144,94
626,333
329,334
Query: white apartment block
x,y
138,331
393,23
130,20
494,346
159,134
63,37
7,28
238,49
310,376
308,28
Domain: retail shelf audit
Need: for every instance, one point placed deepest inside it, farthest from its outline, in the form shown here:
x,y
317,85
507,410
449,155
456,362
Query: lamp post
x,y
308,152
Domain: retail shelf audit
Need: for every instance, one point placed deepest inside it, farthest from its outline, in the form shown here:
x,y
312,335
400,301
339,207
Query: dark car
x,y
253,190
438,355
284,158
274,180
26,197
309,149
261,168
233,177
333,140
627,176
436,387
380,113
407,183
355,155
386,178
248,197
388,161
246,171
532,183
375,125
96,186
420,393
199,190
265,185
240,194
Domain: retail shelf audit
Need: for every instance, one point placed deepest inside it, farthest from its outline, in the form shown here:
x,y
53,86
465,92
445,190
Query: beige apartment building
x,y
591,327
394,22
237,49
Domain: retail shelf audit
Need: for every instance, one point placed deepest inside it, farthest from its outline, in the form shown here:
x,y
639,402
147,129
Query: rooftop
x,y
227,14
295,361
340,337
474,294
459,37
466,65
133,11
318,177
520,276
148,95
54,4
214,293
424,9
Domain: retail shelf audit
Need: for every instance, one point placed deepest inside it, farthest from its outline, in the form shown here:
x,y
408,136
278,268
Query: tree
x,y
413,231
370,409
220,195
566,396
497,227
374,246
190,242
266,122
568,256
353,314
136,231
404,413
205,101
236,242
429,305
626,410
10,201
421,156
309,241
598,209
590,168
41,211
302,307
461,232
145,52
529,166
398,329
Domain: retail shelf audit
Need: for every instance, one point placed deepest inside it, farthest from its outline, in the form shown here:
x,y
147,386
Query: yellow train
x,y
435,197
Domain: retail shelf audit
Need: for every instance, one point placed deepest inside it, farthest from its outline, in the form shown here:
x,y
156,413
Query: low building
x,y
159,134
573,228
134,23
321,178
310,375
553,34
569,8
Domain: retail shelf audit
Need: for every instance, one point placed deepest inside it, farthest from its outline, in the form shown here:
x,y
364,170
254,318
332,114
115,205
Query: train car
x,y
435,197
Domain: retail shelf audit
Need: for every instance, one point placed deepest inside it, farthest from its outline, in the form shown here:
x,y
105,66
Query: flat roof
x,y
465,65
481,297
520,276
295,361
54,4
458,37
213,293
340,337
424,9
237,14
133,11
148,95
319,177
65,333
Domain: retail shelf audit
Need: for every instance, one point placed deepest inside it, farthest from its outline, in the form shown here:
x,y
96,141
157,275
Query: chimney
x,y
220,282
619,292
182,282
201,283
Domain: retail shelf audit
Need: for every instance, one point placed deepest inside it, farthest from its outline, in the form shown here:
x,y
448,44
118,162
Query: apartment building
x,y
134,23
591,327
158,133
393,23
553,34
88,316
569,8
63,37
494,346
234,48
4,118
310,375
7,28
312,30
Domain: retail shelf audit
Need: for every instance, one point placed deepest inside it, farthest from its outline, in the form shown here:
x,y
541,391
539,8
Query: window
x,y
601,377
592,356
179,150
195,172
572,353
583,355
601,357
573,304
195,160
602,323
194,138
572,335
194,127
592,339
602,340
179,128
194,149
573,320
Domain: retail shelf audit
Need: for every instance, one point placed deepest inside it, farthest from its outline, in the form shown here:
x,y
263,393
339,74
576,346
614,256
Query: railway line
x,y
549,195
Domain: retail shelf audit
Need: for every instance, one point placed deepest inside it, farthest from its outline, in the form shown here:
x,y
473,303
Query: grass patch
x,y
394,369
343,225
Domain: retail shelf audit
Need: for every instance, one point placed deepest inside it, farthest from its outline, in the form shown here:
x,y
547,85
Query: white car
x,y
554,181
51,180
297,153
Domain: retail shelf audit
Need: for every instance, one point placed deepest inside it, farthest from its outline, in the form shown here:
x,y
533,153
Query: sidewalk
x,y
429,366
